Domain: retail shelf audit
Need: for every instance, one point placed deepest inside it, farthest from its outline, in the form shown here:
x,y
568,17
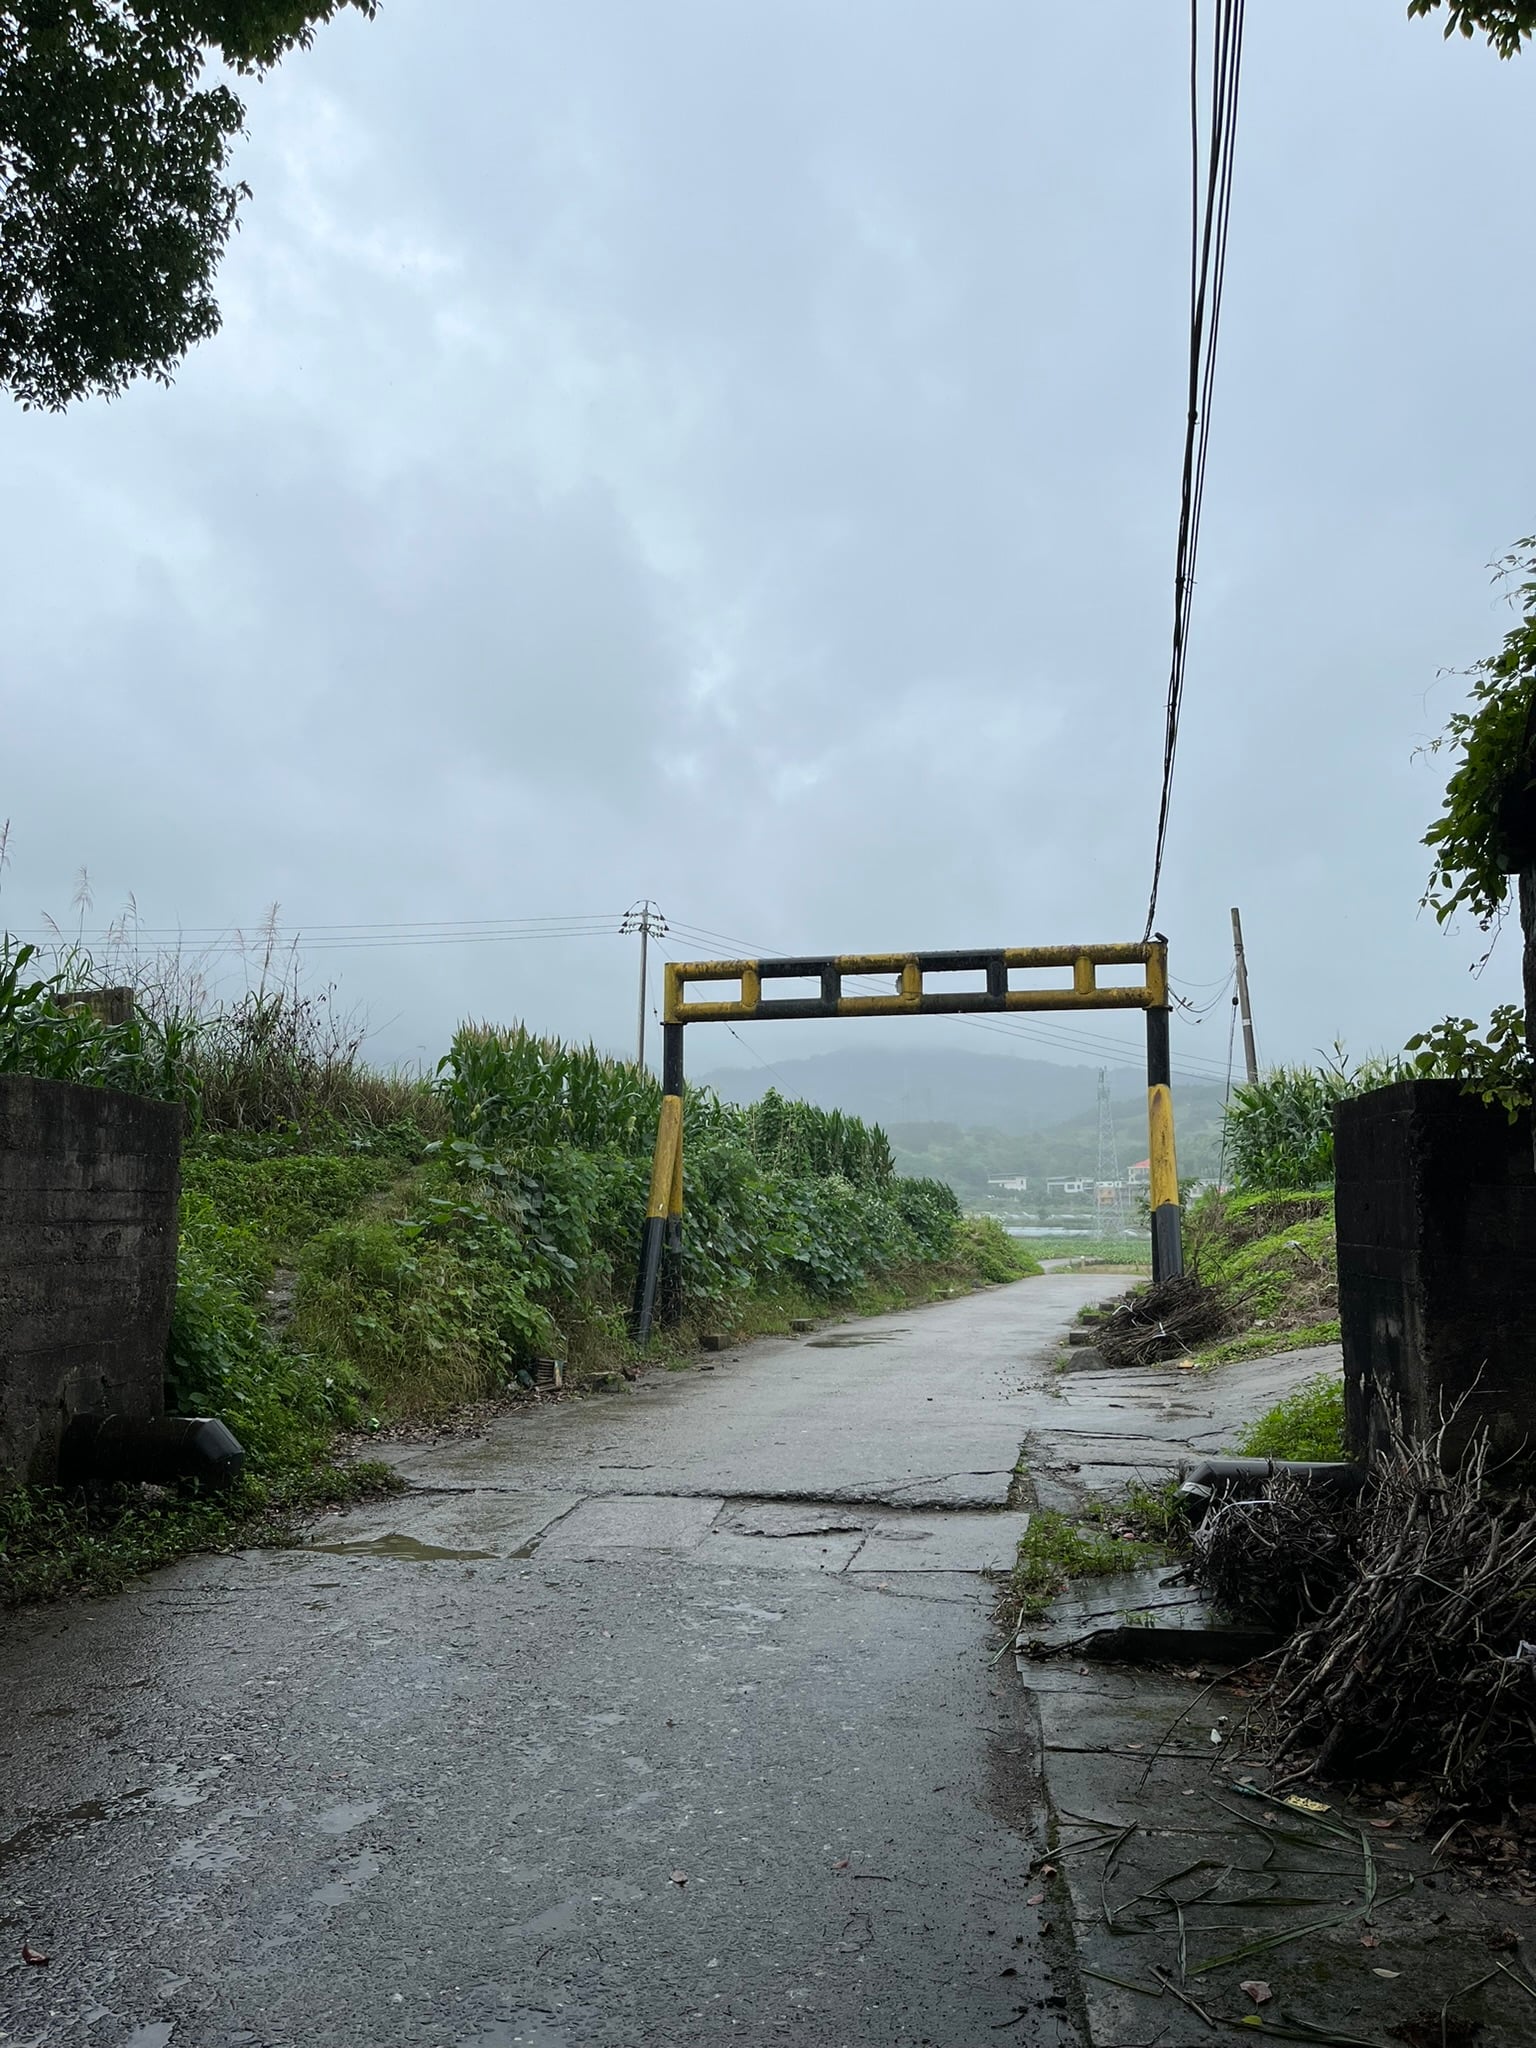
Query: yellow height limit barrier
x,y
1076,984
1008,978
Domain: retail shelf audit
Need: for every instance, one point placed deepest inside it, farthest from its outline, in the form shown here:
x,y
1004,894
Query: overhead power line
x,y
257,937
1210,219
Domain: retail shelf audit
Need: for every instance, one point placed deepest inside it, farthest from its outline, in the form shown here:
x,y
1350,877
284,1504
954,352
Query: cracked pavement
x,y
662,1716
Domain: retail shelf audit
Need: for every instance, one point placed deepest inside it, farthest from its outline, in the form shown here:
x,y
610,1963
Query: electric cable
x,y
1210,222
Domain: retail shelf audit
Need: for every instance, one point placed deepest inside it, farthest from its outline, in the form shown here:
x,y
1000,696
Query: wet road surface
x,y
660,1717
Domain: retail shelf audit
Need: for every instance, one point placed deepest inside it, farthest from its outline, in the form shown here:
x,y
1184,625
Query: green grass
x,y
1307,1425
1056,1551
1265,1343
284,1201
1096,1251
53,1543
1273,1256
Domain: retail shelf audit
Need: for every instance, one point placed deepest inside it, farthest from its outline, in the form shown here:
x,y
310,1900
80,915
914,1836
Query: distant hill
x,y
926,1086
964,1117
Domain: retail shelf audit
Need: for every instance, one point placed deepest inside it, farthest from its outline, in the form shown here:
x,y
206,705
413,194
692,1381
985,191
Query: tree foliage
x,y
1488,818
1506,23
1493,1065
115,196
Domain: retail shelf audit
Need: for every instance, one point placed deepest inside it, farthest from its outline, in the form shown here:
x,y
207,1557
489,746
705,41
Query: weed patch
x,y
1307,1425
1056,1551
54,1543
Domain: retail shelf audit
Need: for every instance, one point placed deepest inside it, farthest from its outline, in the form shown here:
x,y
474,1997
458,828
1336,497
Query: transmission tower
x,y
1109,1192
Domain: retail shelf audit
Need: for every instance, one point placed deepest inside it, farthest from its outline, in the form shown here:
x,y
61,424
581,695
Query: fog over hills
x,y
925,1086
964,1117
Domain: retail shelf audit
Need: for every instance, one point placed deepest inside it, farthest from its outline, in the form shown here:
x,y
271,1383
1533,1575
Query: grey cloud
x,y
730,452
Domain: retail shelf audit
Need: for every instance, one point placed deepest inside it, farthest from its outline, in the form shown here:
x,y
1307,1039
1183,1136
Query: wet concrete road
x,y
658,1718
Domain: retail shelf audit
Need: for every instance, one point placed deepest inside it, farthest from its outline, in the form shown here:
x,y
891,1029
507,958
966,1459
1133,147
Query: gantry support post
x,y
666,1166
1163,1176
670,1299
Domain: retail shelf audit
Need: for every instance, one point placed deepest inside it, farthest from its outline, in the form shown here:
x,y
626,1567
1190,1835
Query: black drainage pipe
x,y
100,1450
1218,1477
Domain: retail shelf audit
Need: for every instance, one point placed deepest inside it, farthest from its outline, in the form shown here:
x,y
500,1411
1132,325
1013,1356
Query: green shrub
x,y
1273,1258
221,1360
982,1243
424,1310
1307,1425
931,1210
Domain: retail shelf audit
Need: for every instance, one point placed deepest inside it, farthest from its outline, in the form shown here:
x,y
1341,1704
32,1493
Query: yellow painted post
x,y
666,1177
1163,1175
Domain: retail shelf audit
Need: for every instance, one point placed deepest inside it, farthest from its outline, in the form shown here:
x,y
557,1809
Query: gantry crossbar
x,y
993,986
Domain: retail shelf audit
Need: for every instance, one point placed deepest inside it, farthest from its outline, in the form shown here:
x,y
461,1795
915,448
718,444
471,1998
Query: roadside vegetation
x,y
1100,1540
1307,1426
360,1248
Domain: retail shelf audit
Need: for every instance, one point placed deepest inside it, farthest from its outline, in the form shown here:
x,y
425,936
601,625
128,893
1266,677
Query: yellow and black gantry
x,y
1009,978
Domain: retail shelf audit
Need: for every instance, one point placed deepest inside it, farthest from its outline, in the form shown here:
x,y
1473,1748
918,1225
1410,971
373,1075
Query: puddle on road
x,y
44,1829
531,2028
840,1340
395,1545
349,1880
341,1820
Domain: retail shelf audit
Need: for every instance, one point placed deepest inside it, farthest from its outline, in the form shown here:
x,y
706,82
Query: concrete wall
x,y
1436,1203
89,1182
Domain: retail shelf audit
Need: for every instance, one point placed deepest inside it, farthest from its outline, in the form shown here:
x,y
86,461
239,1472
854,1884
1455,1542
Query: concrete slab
x,y
632,1522
783,1518
426,1525
1177,1871
824,1553
1105,1429
1181,1882
942,1543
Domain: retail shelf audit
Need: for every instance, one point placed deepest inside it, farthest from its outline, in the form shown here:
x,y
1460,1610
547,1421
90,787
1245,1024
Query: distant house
x,y
1014,1183
1141,1173
1074,1184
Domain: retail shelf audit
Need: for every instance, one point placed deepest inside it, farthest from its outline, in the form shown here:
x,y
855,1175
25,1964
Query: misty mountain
x,y
924,1086
964,1117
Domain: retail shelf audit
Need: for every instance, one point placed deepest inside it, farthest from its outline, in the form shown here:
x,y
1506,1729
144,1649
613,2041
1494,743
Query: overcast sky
x,y
728,453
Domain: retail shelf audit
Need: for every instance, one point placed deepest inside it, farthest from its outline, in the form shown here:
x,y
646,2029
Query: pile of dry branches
x,y
1419,1666
1282,1559
1166,1321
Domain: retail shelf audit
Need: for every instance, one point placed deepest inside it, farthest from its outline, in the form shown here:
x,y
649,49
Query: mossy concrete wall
x,y
1436,1213
89,1187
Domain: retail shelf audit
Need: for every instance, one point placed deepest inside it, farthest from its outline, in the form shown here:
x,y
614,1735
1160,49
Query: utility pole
x,y
647,920
1245,1009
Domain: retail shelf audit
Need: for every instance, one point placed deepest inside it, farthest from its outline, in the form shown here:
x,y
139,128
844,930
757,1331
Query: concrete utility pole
x,y
647,920
1245,1009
